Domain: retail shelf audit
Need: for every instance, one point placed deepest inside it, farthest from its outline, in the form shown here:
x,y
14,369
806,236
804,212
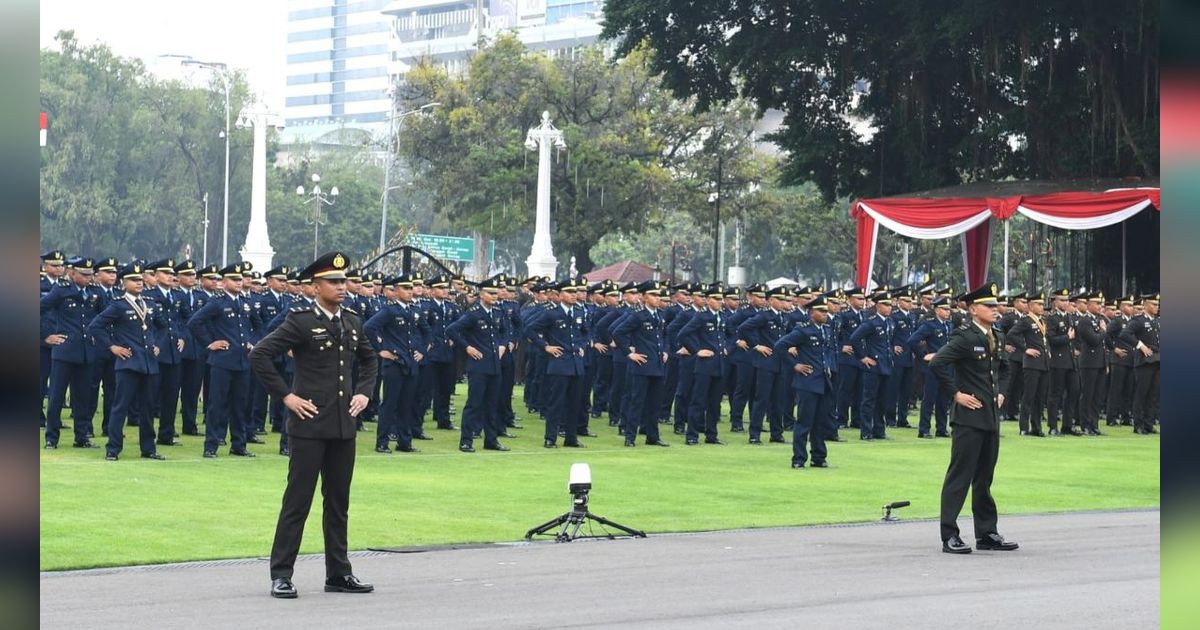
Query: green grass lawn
x,y
96,513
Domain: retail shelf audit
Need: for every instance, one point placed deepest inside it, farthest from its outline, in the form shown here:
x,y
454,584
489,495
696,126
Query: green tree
x,y
883,97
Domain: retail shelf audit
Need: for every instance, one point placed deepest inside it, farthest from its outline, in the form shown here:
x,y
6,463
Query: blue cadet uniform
x,y
743,358
686,362
672,382
904,322
644,333
760,332
849,369
618,360
873,340
398,329
807,354
481,328
65,313
103,367
272,305
704,338
191,365
561,333
228,317
53,258
601,362
170,320
441,313
128,322
508,363
928,338
533,359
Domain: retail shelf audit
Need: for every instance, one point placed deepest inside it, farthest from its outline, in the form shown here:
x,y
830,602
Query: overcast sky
x,y
246,34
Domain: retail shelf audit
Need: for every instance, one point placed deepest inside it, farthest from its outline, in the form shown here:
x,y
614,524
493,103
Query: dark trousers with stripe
x,y
228,410
191,376
167,399
479,414
333,461
77,376
973,455
645,395
134,391
743,393
396,409
443,388
705,407
813,412
564,394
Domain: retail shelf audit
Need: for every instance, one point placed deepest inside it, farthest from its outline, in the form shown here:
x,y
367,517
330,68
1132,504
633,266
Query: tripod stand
x,y
572,521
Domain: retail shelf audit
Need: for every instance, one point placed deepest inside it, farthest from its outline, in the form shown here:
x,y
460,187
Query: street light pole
x,y
204,255
319,198
222,72
387,170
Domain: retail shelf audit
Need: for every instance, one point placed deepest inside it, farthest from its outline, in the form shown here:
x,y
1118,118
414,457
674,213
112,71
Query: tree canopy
x,y
884,97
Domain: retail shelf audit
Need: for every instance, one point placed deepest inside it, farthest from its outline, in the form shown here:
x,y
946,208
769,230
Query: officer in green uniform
x,y
326,341
971,366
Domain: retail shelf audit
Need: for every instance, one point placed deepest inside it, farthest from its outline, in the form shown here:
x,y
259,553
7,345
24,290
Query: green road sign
x,y
450,247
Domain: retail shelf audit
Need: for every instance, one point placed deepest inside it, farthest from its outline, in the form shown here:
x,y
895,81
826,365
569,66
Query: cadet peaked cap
x,y
281,272
331,266
54,256
133,271
186,266
985,294
165,265
107,264
80,263
210,271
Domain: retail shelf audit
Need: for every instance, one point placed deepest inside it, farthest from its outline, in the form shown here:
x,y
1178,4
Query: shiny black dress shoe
x,y
819,464
283,588
84,444
630,443
924,436
778,440
170,442
285,452
515,425
447,427
407,449
575,444
506,434
903,425
110,458
50,447
756,441
943,434
737,430
798,466
692,442
679,431
157,456
241,453
254,439
716,441
347,584
210,454
955,545
260,432
382,449
421,436
994,542
496,447
656,443
222,442
585,434
549,444
466,448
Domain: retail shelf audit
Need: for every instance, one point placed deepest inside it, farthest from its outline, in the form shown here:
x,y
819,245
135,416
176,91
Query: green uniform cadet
x,y
980,371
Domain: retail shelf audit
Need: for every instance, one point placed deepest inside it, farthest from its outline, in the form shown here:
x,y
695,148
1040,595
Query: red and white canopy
x,y
971,219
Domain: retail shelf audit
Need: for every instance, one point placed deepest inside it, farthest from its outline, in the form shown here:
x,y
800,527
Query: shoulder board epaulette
x,y
548,305
474,307
349,310
300,309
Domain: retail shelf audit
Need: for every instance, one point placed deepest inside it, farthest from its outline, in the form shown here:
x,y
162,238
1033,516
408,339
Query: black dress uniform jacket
x,y
979,370
324,352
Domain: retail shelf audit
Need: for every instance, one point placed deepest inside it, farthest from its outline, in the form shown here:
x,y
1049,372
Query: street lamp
x,y
204,256
222,71
319,198
387,171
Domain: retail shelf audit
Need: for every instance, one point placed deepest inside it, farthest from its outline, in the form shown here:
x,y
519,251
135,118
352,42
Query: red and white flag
x,y
42,134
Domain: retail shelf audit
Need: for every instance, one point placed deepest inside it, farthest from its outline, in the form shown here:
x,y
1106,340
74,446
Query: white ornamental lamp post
x,y
257,249
541,261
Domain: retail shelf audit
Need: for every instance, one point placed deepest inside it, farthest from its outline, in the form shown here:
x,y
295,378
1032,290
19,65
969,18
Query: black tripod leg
x,y
627,530
545,527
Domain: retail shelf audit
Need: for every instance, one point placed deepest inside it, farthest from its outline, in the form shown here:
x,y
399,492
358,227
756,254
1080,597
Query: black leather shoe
x,y
260,432
955,545
421,436
110,458
778,440
679,431
466,448
210,454
943,434
157,456
447,427
50,447
347,584
575,444
191,433
382,449
903,425
222,442
285,452
506,434
585,434
515,425
407,449
549,444
756,441
924,436
630,443
994,542
737,430
283,588
798,466
656,443
254,439
716,441
496,447
84,444
170,442
692,442
241,453
819,464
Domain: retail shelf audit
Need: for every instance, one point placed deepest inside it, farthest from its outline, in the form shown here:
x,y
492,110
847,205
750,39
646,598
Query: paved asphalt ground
x,y
1082,570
